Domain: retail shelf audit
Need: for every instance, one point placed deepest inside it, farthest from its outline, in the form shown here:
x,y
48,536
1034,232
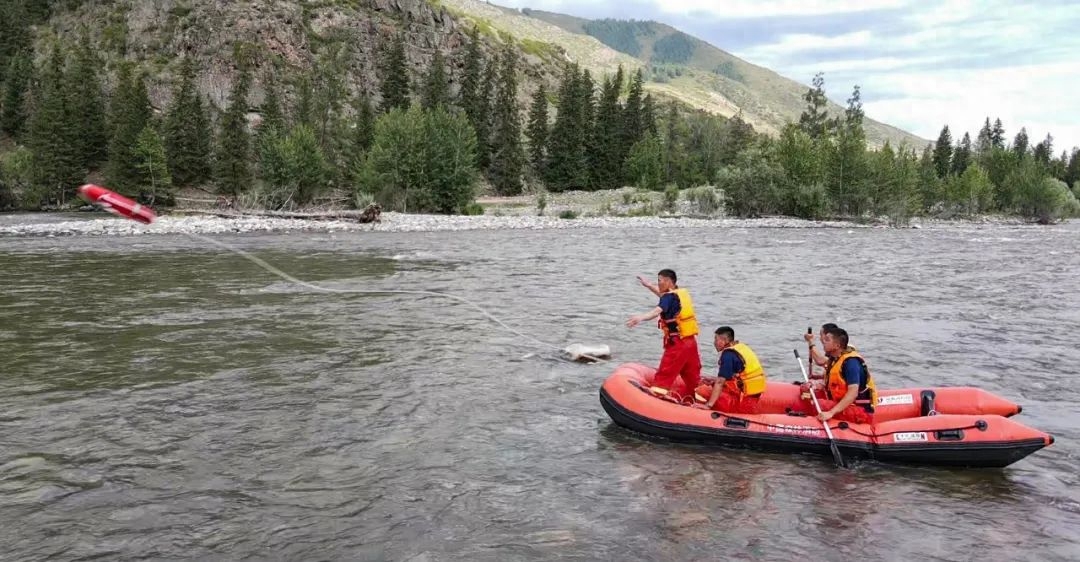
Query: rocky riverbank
x,y
100,224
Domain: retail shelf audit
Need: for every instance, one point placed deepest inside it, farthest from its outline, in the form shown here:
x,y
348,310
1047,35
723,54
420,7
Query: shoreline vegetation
x,y
425,142
562,211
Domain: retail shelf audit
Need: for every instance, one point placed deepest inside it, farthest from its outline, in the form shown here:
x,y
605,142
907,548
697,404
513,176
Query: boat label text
x,y
896,400
796,430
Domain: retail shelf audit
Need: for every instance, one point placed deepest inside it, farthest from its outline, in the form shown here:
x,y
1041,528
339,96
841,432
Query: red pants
x,y
851,414
731,403
681,359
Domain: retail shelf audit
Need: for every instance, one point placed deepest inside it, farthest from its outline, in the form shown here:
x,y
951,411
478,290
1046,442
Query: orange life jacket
x,y
836,387
686,322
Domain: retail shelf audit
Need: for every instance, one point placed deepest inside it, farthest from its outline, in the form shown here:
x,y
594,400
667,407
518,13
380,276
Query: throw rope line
x,y
122,206
285,276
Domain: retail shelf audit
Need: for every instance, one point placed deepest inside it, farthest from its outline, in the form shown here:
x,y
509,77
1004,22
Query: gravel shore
x,y
101,224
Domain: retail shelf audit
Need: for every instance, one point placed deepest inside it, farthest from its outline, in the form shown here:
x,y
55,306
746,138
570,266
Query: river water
x,y
161,399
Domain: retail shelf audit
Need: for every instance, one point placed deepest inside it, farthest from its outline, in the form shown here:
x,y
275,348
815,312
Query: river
x,y
162,399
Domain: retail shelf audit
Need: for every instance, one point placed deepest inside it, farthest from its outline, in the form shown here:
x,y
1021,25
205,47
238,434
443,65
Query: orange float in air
x,y
116,204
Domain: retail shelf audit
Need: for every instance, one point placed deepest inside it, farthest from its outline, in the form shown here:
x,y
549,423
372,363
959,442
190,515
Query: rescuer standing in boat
x,y
676,319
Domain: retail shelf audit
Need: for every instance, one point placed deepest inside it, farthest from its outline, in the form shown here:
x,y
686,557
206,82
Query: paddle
x,y
810,352
828,432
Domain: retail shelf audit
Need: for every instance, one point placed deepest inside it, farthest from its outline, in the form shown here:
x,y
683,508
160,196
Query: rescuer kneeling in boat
x,y
676,319
849,388
740,381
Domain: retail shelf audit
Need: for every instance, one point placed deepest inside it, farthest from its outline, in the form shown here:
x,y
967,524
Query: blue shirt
x,y
670,307
731,364
852,372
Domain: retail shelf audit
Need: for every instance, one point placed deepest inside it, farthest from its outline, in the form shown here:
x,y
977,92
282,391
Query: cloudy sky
x,y
920,64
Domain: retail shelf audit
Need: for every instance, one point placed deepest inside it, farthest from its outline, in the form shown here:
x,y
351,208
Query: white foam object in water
x,y
587,353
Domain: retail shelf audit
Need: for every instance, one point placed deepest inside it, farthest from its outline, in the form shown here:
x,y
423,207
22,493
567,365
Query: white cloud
x,y
1038,97
727,9
741,9
952,62
803,42
943,70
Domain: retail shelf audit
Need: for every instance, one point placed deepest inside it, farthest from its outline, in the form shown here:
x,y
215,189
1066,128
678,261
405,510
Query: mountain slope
x,y
677,65
288,40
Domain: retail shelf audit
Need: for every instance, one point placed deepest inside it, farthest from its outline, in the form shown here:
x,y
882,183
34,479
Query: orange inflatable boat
x,y
955,426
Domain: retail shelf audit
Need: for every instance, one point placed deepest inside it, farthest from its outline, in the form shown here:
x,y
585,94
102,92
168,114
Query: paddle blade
x,y
836,454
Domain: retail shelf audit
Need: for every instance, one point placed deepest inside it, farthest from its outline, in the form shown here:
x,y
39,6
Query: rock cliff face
x,y
285,39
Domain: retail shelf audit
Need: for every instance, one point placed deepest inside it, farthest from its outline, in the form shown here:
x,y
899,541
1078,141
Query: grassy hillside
x,y
684,67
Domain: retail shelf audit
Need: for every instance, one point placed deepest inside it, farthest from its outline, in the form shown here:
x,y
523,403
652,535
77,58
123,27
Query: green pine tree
x,y
997,134
584,96
738,135
537,130
270,130
233,174
1043,151
563,149
930,184
15,33
57,166
482,121
815,118
508,156
1072,171
673,140
943,152
1020,143
475,94
364,133
436,92
304,112
471,75
648,116
331,93
633,116
154,183
605,154
983,144
273,117
88,106
14,103
187,131
129,114
962,155
395,76
853,115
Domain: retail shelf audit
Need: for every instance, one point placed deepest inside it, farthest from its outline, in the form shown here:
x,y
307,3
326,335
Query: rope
x,y
263,264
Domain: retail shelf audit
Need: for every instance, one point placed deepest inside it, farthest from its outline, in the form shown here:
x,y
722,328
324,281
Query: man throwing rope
x,y
676,319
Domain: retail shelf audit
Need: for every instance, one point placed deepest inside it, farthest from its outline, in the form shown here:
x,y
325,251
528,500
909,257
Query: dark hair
x,y
828,326
670,274
726,331
841,336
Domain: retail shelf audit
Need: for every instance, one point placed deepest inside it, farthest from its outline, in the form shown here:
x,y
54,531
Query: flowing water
x,y
161,399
